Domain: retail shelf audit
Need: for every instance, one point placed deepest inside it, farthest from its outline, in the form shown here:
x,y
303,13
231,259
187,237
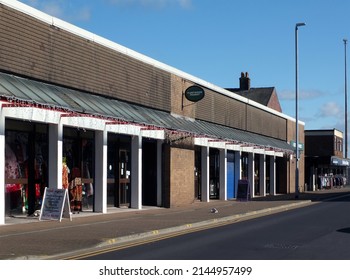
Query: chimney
x,y
244,81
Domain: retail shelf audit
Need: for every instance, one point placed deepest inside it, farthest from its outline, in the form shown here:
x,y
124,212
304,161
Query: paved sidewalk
x,y
28,238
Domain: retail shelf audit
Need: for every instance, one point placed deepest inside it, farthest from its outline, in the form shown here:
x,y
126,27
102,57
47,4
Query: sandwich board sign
x,y
243,190
55,205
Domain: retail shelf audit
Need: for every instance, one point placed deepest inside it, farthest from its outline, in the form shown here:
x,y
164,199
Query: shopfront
x,y
78,167
26,160
119,171
102,135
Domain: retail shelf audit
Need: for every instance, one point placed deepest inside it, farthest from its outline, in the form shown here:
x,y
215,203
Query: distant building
x,y
324,161
266,96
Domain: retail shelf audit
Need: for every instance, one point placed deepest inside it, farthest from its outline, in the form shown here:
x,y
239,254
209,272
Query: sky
x,y
216,40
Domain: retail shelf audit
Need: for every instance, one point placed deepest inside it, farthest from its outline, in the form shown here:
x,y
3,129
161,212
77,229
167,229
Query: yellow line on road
x,y
146,240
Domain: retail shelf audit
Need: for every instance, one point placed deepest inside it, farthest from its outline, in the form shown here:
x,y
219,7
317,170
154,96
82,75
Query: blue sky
x,y
216,40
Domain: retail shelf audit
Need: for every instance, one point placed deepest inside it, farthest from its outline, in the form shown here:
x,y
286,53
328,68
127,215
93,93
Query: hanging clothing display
x,y
76,191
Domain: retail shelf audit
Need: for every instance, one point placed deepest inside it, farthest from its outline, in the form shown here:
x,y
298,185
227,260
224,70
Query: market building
x,y
80,112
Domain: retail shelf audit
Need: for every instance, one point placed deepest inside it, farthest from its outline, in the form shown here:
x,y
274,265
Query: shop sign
x,y
339,161
194,93
300,145
243,190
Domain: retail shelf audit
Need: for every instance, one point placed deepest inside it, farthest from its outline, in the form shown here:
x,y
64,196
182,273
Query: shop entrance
x,y
230,175
26,158
257,174
78,167
149,172
268,168
214,179
119,166
197,173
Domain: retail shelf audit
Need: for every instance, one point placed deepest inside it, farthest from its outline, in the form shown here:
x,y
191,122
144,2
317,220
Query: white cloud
x,y
331,109
53,8
185,4
84,14
61,9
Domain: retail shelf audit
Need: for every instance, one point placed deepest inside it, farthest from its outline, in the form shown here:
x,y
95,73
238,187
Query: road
x,y
317,232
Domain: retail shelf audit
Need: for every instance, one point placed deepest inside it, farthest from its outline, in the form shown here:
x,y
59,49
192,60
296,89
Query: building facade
x,y
83,113
325,165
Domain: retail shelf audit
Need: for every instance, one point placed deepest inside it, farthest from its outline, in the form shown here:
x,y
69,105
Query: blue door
x,y
230,175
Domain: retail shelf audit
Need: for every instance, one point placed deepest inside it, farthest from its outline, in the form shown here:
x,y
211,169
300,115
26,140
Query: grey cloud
x,y
303,94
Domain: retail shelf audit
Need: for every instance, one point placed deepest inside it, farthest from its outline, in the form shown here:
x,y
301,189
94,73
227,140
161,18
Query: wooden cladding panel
x,y
32,48
226,111
221,109
265,123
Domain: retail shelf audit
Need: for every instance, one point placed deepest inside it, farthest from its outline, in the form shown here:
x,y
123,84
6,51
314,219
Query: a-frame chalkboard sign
x,y
243,192
55,205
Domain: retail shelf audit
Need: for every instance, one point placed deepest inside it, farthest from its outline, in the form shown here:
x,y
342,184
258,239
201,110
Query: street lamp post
x,y
346,104
296,113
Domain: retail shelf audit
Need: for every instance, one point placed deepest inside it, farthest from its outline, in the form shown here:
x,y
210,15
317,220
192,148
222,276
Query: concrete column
x,y
251,165
100,180
272,175
136,172
2,168
55,155
262,174
238,169
205,174
159,172
223,174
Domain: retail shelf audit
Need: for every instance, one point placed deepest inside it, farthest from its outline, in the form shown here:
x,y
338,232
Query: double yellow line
x,y
157,236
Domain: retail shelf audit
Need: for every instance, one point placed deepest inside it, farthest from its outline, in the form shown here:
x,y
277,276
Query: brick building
x,y
77,106
324,160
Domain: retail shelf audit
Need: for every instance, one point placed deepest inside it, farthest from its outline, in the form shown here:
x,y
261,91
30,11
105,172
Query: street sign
x,y
300,145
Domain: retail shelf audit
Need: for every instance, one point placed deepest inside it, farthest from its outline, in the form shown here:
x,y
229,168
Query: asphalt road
x,y
317,232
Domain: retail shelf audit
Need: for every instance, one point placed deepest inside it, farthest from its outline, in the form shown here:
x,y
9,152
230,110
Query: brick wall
x,y
274,102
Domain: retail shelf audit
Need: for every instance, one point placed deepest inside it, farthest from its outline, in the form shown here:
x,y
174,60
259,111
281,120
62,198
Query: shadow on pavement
x,y
319,195
344,230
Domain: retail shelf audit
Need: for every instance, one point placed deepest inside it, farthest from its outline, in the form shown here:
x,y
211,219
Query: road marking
x,y
160,237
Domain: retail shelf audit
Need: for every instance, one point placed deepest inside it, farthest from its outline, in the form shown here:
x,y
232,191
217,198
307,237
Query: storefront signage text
x,y
194,93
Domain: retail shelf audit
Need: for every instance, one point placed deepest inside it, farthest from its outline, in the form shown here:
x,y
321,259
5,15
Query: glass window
x,y
26,158
78,157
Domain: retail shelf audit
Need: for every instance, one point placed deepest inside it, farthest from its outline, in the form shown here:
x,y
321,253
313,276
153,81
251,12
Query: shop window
x,y
78,171
26,158
244,159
